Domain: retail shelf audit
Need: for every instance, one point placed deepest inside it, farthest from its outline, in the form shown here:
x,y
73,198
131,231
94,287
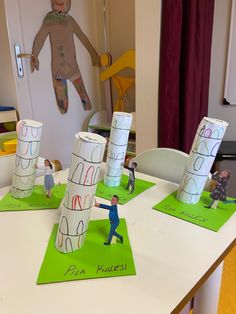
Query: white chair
x,y
7,163
164,163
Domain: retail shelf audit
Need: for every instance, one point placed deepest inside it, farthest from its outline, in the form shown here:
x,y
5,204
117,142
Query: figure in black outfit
x,y
131,182
219,192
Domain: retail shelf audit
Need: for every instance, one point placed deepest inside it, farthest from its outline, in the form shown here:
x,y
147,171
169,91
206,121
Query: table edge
x,y
202,280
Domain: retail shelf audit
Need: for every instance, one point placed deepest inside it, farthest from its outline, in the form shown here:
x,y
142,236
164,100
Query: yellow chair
x,y
10,146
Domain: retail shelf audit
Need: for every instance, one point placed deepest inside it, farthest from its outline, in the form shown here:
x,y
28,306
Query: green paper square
x,y
36,201
91,259
107,192
210,218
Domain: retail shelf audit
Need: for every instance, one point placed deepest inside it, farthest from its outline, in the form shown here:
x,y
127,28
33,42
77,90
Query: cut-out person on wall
x,y
219,191
114,218
60,27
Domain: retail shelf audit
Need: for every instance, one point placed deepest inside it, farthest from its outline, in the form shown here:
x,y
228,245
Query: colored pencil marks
x,y
202,155
79,197
76,201
28,144
71,237
119,135
25,163
28,149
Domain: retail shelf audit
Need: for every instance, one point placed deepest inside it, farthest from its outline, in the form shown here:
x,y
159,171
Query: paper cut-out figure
x,y
60,26
219,191
114,218
131,181
48,178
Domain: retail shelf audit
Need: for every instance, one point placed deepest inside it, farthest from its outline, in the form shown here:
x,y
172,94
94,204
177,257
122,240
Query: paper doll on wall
x,y
218,193
60,26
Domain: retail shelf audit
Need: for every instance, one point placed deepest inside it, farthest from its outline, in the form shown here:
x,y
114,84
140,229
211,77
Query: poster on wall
x,y
230,76
60,27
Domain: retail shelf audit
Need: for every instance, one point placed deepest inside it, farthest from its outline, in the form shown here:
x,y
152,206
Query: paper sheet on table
x,y
36,201
95,260
209,218
124,196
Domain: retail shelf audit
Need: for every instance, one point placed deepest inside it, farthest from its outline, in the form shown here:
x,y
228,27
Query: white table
x,y
172,257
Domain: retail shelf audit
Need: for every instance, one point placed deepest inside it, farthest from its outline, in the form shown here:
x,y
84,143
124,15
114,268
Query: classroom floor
x,y
227,303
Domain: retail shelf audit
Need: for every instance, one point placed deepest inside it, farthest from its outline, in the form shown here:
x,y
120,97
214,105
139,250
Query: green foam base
x,y
107,192
93,260
212,219
36,201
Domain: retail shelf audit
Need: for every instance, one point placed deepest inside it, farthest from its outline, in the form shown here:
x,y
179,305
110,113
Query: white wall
x,y
147,20
100,36
121,29
218,68
7,87
121,26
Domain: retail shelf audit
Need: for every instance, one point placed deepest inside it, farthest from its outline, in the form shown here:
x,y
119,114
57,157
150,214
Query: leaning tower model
x,y
28,143
120,128
79,197
201,158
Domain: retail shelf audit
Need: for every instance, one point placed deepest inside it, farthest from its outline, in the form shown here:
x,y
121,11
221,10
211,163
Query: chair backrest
x,y
7,164
163,163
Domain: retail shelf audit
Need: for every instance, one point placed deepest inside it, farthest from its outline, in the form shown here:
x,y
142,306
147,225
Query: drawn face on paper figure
x,y
46,163
114,200
225,174
61,5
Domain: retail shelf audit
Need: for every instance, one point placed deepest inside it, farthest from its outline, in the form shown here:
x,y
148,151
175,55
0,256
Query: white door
x,y
35,93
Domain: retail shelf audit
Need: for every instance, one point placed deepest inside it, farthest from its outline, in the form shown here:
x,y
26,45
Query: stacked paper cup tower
x,y
201,158
120,128
28,143
79,197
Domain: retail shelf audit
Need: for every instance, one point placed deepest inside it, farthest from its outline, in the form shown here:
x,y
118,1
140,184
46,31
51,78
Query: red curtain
x,y
185,52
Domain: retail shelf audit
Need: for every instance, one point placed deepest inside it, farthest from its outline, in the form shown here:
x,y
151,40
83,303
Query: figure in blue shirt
x,y
113,217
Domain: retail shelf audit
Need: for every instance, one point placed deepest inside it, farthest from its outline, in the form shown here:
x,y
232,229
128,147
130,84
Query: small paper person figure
x,y
48,178
131,181
219,191
114,218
